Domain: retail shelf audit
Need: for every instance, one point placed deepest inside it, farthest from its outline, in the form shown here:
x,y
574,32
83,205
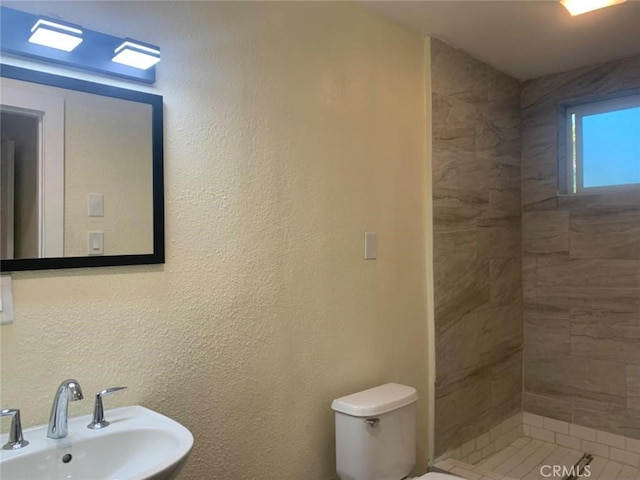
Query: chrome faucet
x,y
68,391
16,440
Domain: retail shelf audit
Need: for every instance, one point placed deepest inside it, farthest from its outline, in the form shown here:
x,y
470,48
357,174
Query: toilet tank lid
x,y
376,401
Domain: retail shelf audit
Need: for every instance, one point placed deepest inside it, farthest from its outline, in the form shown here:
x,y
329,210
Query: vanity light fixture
x,y
578,7
56,35
137,54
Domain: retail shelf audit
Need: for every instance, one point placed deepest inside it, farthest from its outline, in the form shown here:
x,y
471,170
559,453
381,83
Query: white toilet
x,y
376,434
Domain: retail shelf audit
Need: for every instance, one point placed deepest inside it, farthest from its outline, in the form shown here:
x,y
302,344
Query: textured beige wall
x,y
476,243
290,129
581,268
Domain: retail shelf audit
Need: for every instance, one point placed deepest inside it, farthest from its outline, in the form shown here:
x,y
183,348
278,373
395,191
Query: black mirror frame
x,y
155,101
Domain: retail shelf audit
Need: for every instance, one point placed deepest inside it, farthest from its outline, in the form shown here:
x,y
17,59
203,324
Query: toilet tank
x,y
376,433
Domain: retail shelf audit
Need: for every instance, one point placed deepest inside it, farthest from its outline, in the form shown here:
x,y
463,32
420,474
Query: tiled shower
x,y
537,294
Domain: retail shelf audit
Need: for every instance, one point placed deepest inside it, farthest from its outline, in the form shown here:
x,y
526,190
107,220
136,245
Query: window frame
x,y
573,161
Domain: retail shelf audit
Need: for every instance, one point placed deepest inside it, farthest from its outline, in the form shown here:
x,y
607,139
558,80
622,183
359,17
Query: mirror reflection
x,y
76,173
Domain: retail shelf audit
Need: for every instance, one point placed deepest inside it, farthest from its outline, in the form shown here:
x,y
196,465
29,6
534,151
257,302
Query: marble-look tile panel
x,y
504,173
574,377
529,280
503,208
633,386
504,90
539,188
547,331
501,333
606,335
548,406
458,170
588,273
539,172
607,416
594,81
498,130
546,232
506,281
605,232
506,386
581,274
456,122
563,297
477,237
624,199
461,408
460,287
457,349
454,73
539,140
456,246
457,208
499,242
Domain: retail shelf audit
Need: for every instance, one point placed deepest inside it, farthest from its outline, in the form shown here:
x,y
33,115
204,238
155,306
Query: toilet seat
x,y
438,476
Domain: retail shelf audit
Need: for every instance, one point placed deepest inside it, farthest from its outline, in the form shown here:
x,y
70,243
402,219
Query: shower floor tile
x,y
525,458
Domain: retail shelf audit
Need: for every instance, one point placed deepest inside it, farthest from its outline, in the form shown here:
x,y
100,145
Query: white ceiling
x,y
525,39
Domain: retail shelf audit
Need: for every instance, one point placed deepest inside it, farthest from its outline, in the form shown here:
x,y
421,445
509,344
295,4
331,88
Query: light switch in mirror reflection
x,y
63,146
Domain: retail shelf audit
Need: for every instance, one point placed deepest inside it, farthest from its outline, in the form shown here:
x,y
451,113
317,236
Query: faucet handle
x,y
98,421
16,440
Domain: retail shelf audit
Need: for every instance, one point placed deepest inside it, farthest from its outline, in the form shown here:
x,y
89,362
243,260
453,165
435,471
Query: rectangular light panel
x,y
578,7
55,35
137,55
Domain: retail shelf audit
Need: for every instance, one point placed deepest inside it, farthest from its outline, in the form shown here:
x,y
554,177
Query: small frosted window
x,y
604,145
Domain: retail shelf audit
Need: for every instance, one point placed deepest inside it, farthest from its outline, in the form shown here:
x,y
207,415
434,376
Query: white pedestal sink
x,y
139,444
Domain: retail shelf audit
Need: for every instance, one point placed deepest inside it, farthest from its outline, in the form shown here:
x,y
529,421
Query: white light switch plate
x,y
6,292
96,205
96,243
370,246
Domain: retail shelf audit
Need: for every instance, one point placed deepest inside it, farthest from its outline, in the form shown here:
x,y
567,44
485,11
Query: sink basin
x,y
139,444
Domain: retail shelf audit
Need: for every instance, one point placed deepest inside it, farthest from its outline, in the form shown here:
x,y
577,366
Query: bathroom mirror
x,y
81,174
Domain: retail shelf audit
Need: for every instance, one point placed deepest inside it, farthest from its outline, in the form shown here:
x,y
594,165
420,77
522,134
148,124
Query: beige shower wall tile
x,y
545,232
499,242
457,209
603,299
456,121
607,416
633,386
458,74
459,289
595,81
529,271
505,173
461,411
588,273
457,348
477,246
605,233
455,246
506,386
456,168
547,331
540,187
498,132
501,333
504,207
612,335
539,160
548,406
506,281
575,378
